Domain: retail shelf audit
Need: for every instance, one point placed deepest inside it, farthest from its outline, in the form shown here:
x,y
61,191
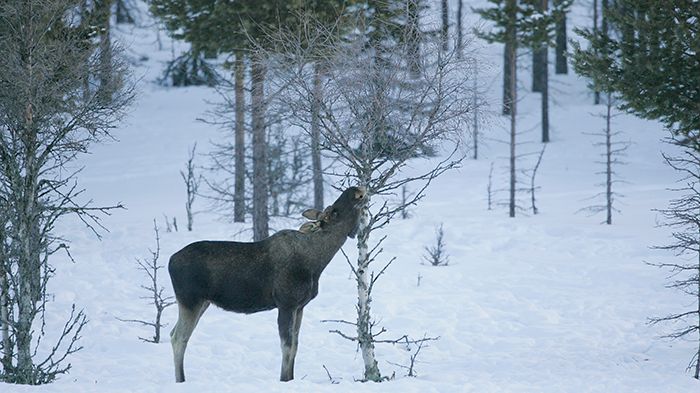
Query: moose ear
x,y
311,214
309,227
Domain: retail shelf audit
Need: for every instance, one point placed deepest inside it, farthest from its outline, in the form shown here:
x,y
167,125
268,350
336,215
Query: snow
x,y
555,302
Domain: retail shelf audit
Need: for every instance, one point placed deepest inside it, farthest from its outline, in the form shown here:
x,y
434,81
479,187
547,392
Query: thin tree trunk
x,y
561,65
83,9
445,30
539,56
604,17
460,38
239,174
413,37
6,360
538,68
475,104
508,61
316,165
608,161
122,13
596,93
545,98
260,182
511,37
364,299
105,75
697,359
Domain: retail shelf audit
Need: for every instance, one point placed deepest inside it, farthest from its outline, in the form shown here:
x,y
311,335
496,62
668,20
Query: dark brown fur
x,y
280,272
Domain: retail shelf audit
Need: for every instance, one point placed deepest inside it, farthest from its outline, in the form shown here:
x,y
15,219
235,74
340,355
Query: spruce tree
x,y
649,60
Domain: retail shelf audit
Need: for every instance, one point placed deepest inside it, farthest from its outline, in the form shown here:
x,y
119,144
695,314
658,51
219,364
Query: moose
x,y
281,271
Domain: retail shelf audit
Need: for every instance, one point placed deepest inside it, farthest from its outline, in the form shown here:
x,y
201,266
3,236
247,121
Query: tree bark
x,y
316,165
105,13
364,299
239,170
460,38
511,38
475,105
697,355
413,37
260,173
122,13
508,61
445,29
596,93
538,68
608,161
539,56
545,98
6,360
561,65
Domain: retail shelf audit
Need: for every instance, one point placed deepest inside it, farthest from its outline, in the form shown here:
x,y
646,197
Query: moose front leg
x,y
288,322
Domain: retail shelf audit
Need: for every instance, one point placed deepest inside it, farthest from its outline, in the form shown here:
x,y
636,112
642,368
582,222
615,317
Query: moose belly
x,y
243,297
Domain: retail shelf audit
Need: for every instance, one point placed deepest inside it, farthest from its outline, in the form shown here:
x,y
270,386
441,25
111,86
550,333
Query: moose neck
x,y
326,244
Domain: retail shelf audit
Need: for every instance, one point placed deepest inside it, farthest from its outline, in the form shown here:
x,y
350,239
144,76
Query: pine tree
x,y
534,24
525,23
649,60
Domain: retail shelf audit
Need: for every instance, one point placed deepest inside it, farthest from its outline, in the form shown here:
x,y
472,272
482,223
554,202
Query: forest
x,y
457,195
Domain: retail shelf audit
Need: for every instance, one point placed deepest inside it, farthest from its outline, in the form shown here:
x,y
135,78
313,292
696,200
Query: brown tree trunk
x,y
104,10
316,165
260,181
239,170
561,66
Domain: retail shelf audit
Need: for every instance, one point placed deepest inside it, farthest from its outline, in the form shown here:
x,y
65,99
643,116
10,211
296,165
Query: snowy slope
x,y
549,303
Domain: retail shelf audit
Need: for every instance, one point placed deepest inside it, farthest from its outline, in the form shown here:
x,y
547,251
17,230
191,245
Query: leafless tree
x,y
436,254
614,151
533,174
374,123
154,290
489,188
191,185
289,172
683,216
46,120
413,358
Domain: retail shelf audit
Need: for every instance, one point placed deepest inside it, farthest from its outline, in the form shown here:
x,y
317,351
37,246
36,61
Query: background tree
x,y
46,120
648,59
460,32
683,216
191,180
154,291
239,29
561,65
445,26
614,150
125,11
356,125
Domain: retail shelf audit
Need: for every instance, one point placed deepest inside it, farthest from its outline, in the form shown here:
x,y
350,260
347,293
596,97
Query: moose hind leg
x,y
186,322
288,321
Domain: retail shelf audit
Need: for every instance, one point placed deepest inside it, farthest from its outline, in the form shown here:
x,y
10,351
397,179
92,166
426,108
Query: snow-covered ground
x,y
555,302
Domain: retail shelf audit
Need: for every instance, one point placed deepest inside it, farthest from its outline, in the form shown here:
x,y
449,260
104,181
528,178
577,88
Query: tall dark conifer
x,y
649,60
